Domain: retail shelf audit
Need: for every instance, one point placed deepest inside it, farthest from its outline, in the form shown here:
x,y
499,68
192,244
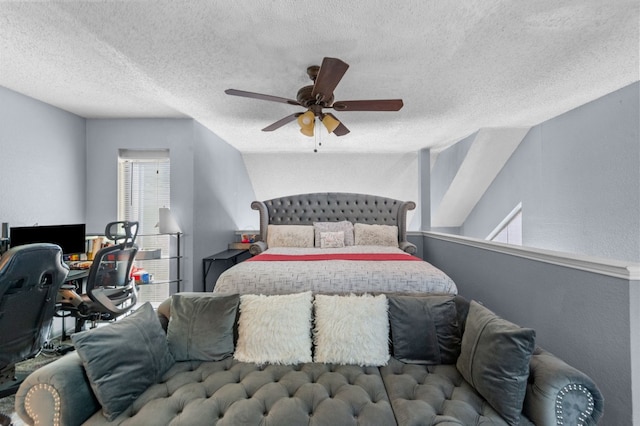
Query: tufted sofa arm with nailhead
x,y
559,394
304,209
60,394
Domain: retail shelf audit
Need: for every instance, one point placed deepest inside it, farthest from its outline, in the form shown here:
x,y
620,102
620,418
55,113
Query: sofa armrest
x,y
58,393
560,394
257,247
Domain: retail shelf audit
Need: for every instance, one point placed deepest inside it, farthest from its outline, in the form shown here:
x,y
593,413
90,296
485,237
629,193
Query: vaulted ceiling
x,y
459,66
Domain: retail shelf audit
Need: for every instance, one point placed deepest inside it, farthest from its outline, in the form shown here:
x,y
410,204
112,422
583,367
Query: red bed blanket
x,y
333,256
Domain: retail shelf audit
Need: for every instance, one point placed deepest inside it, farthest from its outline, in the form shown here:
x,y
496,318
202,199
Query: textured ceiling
x,y
459,66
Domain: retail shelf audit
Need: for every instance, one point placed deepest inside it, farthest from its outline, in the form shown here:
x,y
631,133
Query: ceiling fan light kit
x,y
318,96
306,122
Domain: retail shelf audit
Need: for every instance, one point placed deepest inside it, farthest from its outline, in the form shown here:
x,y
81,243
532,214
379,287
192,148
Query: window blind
x,y
144,178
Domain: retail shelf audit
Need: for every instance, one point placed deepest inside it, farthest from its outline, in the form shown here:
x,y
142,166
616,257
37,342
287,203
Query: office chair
x,y
30,276
110,290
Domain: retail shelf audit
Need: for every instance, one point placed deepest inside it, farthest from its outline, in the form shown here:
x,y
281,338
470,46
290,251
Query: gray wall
x,y
106,136
578,178
42,174
582,317
201,163
223,197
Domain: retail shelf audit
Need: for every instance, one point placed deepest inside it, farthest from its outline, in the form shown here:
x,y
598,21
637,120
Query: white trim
x,y
609,267
517,209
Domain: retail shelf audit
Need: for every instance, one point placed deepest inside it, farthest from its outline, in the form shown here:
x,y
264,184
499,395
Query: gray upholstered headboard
x,y
304,209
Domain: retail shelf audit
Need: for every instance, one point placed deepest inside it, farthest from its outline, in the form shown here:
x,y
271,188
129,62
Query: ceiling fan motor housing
x,y
305,98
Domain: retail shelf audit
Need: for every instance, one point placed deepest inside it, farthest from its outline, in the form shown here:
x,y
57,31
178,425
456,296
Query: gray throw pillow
x,y
424,329
201,326
494,359
124,358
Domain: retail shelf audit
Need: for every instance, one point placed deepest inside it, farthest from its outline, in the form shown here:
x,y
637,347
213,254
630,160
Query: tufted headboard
x,y
304,209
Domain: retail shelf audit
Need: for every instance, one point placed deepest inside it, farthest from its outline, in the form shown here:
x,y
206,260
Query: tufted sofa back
x,y
304,209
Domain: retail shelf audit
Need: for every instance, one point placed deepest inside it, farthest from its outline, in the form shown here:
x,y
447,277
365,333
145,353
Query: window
x,y
143,187
509,231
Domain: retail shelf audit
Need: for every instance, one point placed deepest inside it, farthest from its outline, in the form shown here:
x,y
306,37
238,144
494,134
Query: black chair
x,y
30,276
110,290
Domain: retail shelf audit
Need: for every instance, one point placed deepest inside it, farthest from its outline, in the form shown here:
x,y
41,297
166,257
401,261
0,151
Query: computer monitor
x,y
71,238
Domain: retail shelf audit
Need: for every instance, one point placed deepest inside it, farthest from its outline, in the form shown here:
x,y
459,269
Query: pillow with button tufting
x,y
274,329
351,329
124,358
494,359
201,326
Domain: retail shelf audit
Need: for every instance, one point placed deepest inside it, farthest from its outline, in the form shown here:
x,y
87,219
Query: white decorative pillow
x,y
290,236
376,235
351,329
332,239
274,329
344,226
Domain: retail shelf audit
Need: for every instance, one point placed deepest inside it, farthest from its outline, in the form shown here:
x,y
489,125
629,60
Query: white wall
x,y
388,175
42,169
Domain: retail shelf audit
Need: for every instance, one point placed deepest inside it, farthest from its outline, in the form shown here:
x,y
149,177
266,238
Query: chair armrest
x,y
408,247
560,394
257,247
58,393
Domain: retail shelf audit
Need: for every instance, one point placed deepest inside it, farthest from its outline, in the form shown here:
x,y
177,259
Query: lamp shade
x,y
167,223
330,123
306,122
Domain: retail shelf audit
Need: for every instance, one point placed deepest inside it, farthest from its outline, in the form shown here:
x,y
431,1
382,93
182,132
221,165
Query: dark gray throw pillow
x,y
201,326
494,359
424,329
124,358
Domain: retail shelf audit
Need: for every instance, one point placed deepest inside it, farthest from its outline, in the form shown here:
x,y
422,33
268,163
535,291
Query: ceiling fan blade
x,y
371,105
281,122
341,130
329,75
254,95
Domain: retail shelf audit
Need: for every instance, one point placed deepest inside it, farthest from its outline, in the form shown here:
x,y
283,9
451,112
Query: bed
x,y
333,243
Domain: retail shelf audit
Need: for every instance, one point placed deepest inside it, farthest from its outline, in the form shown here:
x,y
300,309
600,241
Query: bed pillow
x,y
133,347
332,239
344,226
201,326
494,359
424,329
274,329
375,235
290,236
351,329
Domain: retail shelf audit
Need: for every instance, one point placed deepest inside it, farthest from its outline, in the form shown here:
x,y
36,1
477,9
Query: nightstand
x,y
216,264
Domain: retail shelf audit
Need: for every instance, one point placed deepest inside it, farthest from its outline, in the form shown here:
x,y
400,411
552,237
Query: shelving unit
x,y
164,283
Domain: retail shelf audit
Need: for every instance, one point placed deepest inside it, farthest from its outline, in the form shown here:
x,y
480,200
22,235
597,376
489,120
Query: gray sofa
x,y
410,389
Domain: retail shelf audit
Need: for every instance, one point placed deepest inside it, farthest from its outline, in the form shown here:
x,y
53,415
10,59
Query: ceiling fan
x,y
319,96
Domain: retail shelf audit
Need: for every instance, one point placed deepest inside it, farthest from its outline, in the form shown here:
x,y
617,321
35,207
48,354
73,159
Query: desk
x,y
221,262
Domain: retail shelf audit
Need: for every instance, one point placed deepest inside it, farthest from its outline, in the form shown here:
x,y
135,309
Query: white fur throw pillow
x,y
290,236
376,235
351,329
274,329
